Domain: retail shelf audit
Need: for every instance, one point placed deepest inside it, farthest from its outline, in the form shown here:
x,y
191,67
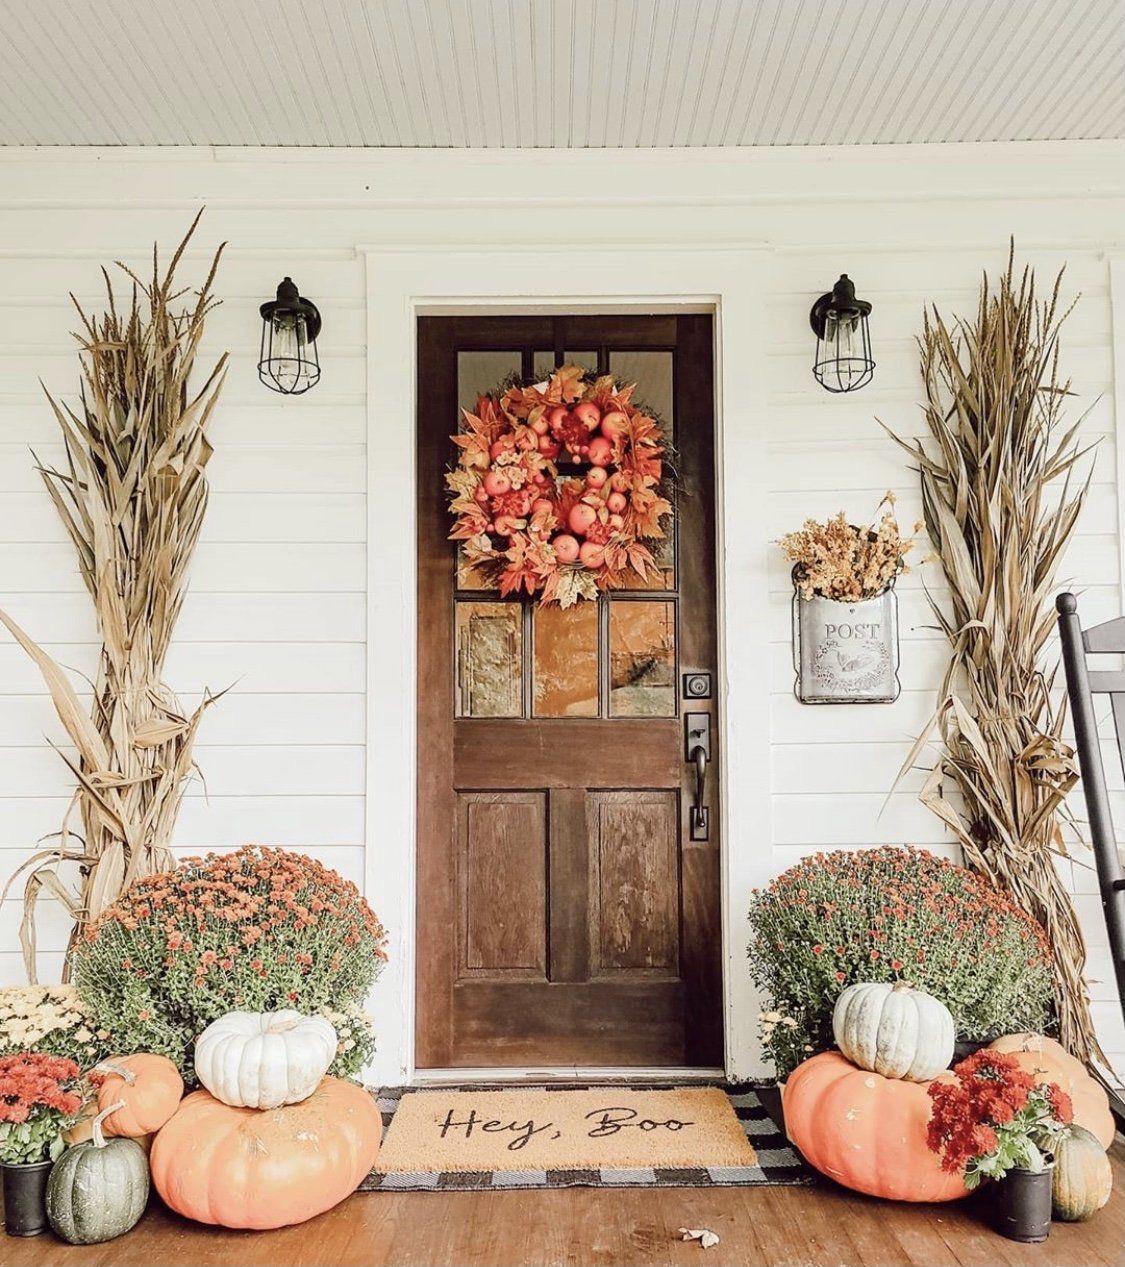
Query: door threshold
x,y
565,1073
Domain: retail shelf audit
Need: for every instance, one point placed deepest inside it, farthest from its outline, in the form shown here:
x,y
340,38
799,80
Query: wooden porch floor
x,y
778,1227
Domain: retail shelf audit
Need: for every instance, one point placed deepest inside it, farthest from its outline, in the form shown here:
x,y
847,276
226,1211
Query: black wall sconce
x,y
843,341
288,361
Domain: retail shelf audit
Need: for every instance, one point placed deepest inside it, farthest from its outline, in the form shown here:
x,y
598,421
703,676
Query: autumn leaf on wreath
x,y
544,521
569,380
568,585
646,431
527,566
462,482
478,551
606,392
647,509
622,554
470,525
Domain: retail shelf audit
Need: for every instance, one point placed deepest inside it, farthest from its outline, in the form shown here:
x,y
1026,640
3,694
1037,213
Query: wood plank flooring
x,y
779,1227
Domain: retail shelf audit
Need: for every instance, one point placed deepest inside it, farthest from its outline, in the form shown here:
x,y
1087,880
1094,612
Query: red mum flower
x,y
1062,1107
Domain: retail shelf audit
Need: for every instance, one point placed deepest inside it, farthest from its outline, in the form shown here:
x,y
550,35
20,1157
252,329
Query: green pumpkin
x,y
98,1190
1083,1178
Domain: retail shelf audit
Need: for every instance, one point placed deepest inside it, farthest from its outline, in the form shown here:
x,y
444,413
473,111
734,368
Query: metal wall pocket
x,y
846,653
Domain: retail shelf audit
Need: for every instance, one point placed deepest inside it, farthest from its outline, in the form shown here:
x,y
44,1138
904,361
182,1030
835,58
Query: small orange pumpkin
x,y
149,1089
865,1131
83,1129
1038,1054
262,1168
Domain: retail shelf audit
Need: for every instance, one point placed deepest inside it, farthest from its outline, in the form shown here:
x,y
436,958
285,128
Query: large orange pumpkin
x,y
1041,1055
865,1131
260,1168
149,1089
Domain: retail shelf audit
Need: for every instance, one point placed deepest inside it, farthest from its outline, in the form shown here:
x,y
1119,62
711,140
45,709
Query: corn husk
x,y
1002,493
131,492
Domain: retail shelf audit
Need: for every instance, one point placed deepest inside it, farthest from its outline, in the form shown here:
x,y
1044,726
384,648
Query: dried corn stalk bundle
x,y
1001,498
132,493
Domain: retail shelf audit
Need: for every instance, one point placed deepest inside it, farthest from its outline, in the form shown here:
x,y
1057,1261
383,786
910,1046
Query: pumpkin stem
x,y
901,985
122,1071
96,1130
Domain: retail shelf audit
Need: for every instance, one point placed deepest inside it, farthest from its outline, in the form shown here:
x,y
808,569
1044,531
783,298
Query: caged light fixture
x,y
843,341
288,361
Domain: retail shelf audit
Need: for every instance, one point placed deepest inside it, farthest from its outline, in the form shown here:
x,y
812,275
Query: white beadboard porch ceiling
x,y
559,72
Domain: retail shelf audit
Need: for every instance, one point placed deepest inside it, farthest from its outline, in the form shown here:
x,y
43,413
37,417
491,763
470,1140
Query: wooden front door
x,y
565,913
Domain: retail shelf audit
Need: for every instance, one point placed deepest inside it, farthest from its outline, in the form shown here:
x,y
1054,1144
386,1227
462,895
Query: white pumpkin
x,y
261,1060
894,1030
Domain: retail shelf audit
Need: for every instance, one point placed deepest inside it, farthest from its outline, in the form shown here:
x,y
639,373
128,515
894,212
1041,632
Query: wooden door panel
x,y
588,1023
564,914
635,882
570,880
566,753
502,856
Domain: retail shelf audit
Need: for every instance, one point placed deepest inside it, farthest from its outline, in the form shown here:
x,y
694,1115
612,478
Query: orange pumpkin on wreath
x,y
558,487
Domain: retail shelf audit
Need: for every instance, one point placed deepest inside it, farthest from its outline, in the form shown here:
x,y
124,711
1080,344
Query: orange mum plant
x,y
254,930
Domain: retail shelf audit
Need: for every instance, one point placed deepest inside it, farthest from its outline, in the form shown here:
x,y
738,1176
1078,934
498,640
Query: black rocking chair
x,y
1082,683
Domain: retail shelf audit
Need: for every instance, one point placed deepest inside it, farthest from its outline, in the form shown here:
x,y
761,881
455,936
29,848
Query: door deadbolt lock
x,y
697,686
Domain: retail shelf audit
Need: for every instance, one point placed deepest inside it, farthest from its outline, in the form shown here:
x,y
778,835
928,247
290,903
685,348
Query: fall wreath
x,y
559,487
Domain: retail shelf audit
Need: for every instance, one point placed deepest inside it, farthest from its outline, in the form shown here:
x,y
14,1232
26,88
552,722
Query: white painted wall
x,y
279,595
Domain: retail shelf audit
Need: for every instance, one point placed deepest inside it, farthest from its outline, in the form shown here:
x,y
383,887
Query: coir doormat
x,y
565,1135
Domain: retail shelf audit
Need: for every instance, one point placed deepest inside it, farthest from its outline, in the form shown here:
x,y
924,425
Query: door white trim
x,y
401,286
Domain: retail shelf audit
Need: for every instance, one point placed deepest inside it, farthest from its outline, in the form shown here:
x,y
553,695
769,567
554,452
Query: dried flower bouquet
x,y
848,562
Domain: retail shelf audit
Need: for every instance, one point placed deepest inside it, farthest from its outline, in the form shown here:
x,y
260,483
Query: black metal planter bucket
x,y
1020,1204
25,1198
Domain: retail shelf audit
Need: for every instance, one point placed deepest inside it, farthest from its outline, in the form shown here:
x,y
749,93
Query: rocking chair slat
x,y
1102,639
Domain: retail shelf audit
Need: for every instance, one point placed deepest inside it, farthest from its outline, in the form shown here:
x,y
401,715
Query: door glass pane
x,y
489,655
642,658
482,372
652,372
566,661
545,361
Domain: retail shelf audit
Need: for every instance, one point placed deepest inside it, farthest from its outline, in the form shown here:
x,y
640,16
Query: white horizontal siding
x,y
277,605
833,767
277,608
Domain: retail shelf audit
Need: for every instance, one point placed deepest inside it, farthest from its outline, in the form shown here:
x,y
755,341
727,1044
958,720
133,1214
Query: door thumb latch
x,y
697,751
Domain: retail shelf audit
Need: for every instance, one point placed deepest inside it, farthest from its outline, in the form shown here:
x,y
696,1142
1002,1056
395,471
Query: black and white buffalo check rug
x,y
776,1162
